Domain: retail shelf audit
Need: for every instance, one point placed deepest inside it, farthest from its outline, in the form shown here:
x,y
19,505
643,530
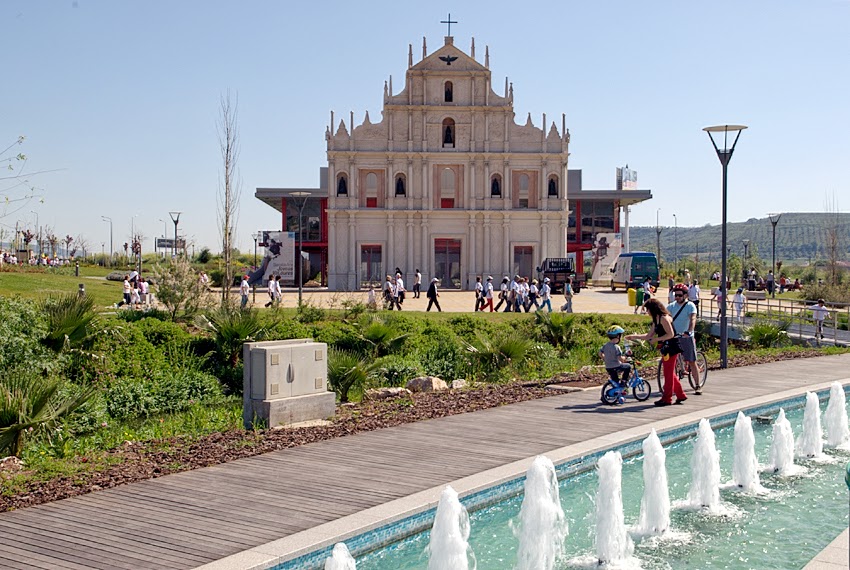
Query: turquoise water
x,y
784,529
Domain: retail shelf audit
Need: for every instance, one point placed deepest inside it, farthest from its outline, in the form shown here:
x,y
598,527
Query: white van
x,y
632,269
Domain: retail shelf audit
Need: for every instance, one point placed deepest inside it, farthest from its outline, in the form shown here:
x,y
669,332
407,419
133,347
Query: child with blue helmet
x,y
612,355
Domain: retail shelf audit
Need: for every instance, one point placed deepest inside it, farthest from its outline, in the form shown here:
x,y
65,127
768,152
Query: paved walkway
x,y
192,518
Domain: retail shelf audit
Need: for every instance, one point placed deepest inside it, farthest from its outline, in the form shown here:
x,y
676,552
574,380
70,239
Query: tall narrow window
x,y
449,92
448,188
449,134
371,266
342,185
400,189
371,190
496,186
523,190
553,187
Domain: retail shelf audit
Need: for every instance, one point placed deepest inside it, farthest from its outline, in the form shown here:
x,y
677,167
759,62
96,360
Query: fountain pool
x,y
784,528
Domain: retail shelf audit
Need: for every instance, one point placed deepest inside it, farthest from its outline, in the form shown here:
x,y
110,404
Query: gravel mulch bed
x,y
137,461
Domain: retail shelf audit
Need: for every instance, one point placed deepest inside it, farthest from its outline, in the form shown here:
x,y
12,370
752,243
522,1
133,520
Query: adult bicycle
x,y
697,381
615,392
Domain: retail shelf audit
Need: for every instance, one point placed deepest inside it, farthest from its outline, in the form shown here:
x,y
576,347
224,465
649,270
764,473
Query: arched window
x,y
496,186
449,92
342,185
523,190
553,187
400,187
371,190
448,188
448,133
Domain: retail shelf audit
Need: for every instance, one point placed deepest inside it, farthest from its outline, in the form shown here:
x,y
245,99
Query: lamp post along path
x,y
256,237
300,199
724,154
774,219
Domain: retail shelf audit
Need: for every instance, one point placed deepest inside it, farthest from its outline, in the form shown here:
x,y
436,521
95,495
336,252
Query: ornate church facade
x,y
447,182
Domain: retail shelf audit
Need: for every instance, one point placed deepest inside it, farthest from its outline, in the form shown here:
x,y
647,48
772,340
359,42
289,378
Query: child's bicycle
x,y
615,392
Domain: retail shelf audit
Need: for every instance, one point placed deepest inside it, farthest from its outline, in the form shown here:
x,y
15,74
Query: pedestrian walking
x,y
417,284
568,296
243,291
503,292
545,295
479,294
488,293
432,295
738,302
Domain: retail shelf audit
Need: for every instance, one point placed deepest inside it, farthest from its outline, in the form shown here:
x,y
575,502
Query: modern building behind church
x,y
446,182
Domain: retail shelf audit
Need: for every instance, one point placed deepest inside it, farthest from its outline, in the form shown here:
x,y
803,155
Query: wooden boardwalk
x,y
188,519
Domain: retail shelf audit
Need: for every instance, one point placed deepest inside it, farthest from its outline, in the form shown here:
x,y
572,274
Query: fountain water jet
x,y
745,466
782,448
612,542
705,470
543,526
655,504
810,443
340,559
835,417
450,534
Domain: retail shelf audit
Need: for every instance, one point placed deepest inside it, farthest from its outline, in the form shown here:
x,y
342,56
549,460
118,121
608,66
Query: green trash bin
x,y
639,297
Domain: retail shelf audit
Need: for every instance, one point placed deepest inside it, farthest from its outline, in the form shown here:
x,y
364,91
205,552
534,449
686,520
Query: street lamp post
x,y
724,154
774,219
108,219
658,236
38,231
256,237
300,201
676,245
164,232
175,217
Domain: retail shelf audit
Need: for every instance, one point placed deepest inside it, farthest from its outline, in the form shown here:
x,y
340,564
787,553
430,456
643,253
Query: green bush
x,y
309,313
340,335
134,316
22,325
347,372
284,329
395,370
162,392
162,332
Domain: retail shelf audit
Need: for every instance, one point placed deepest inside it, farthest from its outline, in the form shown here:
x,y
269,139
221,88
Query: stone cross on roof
x,y
449,22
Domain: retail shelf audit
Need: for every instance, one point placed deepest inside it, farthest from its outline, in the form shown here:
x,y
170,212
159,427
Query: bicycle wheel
x,y
642,390
698,382
610,393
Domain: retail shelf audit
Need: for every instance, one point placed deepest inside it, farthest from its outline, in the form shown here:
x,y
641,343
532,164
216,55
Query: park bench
x,y
755,295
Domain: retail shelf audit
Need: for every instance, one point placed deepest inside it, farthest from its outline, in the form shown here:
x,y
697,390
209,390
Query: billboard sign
x,y
168,243
279,258
606,248
626,178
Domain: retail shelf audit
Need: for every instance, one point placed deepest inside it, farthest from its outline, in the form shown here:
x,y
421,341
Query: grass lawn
x,y
40,284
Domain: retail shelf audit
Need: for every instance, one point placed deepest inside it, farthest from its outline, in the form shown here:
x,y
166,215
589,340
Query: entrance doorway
x,y
447,263
523,260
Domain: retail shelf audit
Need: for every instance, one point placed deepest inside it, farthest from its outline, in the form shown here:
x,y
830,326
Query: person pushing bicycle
x,y
684,320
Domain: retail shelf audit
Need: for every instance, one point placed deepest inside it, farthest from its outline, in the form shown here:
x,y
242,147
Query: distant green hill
x,y
799,237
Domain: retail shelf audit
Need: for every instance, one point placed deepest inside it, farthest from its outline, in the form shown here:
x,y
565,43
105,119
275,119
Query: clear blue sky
x,y
122,98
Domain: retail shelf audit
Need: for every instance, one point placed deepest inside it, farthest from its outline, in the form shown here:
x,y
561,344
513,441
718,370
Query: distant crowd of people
x,y
10,258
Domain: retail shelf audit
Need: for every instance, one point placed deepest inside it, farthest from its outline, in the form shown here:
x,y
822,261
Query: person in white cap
x,y
503,292
432,295
488,294
546,295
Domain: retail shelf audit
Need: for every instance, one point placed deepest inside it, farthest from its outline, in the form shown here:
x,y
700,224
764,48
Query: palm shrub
x,y
556,329
70,321
382,338
494,356
347,371
768,334
395,370
29,401
231,328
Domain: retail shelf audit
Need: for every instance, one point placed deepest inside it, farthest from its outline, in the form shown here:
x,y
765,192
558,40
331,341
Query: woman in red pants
x,y
661,332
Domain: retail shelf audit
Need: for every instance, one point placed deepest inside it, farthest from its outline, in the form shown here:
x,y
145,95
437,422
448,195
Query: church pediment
x,y
448,58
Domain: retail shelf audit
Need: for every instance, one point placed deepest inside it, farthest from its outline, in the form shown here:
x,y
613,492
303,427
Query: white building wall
x,y
409,141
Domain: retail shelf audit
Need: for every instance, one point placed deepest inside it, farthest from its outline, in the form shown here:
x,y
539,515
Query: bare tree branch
x,y
230,187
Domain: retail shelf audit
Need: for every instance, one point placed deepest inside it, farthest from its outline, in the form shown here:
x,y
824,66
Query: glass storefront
x,y
447,263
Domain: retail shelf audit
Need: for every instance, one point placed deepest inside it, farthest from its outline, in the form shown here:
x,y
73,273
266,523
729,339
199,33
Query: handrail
x,y
796,311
